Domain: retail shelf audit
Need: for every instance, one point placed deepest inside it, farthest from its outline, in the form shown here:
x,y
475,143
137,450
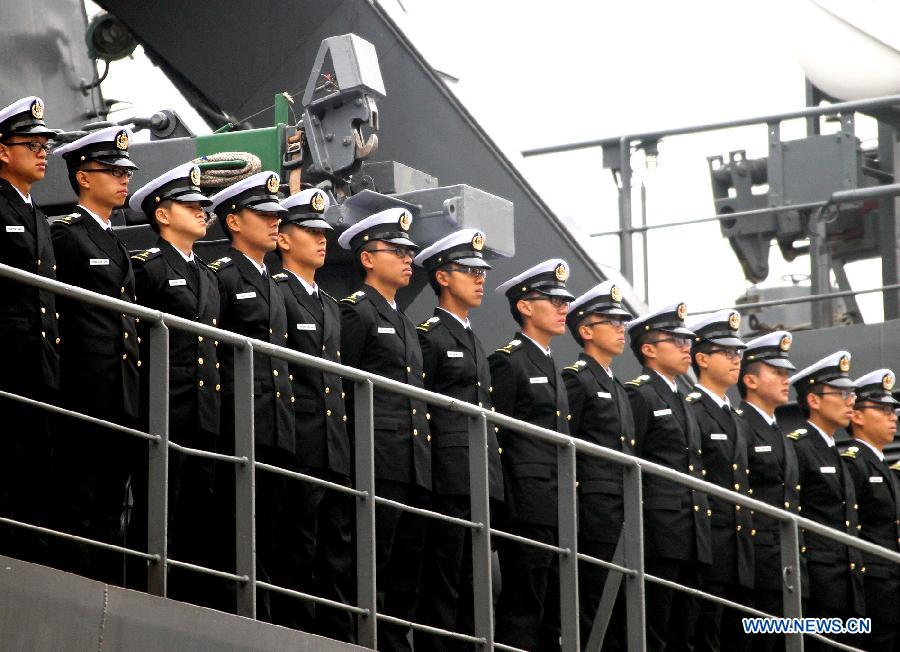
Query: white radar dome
x,y
848,48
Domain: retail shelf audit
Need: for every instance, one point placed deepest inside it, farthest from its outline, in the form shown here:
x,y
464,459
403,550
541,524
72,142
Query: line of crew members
x,y
75,476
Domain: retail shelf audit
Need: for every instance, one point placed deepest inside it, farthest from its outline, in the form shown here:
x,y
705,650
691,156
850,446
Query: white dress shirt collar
x,y
106,225
545,349
828,438
465,322
25,198
260,268
668,382
766,417
310,289
721,402
877,452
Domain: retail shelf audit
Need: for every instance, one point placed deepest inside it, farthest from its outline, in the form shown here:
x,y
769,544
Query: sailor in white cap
x,y
315,531
377,336
528,386
90,255
774,473
601,414
874,426
251,305
28,329
826,395
716,359
455,364
676,519
171,277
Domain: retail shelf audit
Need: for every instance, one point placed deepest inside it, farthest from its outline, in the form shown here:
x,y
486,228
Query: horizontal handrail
x,y
446,402
772,118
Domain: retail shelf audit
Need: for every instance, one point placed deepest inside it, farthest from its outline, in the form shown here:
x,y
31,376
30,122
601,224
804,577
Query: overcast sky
x,y
539,73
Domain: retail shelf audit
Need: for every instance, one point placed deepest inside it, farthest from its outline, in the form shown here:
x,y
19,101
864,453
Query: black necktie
x,y
318,309
471,335
194,270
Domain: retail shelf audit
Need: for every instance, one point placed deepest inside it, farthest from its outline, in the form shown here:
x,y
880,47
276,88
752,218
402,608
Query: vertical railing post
x,y
364,435
158,458
791,589
626,251
244,480
479,493
634,559
568,538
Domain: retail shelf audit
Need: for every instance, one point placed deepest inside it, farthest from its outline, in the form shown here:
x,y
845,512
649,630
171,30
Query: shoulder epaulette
x,y
354,298
71,218
509,348
280,277
147,254
640,380
693,396
426,325
850,453
738,411
797,434
577,366
220,264
895,466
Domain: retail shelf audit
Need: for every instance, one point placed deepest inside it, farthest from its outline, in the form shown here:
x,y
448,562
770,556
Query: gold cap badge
x,y
37,109
405,221
272,184
615,293
195,176
734,322
122,140
561,272
478,241
844,364
681,311
888,382
318,202
785,344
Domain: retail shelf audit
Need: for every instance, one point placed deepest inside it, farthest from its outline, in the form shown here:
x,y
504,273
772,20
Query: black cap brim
x,y
843,383
680,330
194,197
403,242
472,262
34,130
781,363
555,292
117,161
730,342
264,207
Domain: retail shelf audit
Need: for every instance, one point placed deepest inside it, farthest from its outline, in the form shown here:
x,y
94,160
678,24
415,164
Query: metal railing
x,y
628,562
617,152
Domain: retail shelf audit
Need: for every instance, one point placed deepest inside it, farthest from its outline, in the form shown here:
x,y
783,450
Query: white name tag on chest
x,y
306,327
718,436
386,330
662,413
99,261
175,282
15,229
762,449
538,380
454,354
245,295
877,479
827,469
604,395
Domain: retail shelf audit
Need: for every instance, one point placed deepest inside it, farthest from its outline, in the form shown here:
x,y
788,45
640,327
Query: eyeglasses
x,y
118,173
845,394
399,252
731,354
33,146
615,323
558,302
882,407
477,272
680,342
